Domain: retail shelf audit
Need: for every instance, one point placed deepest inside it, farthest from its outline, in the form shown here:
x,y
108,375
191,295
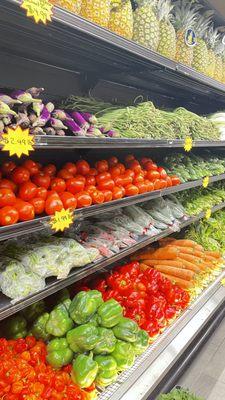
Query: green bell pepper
x,y
15,327
83,338
59,322
84,370
94,320
34,310
126,330
84,306
63,295
107,370
124,355
107,341
59,353
38,329
67,303
142,342
110,313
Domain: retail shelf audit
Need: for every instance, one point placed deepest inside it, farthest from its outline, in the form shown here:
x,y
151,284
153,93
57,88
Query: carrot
x,y
171,263
189,250
165,253
214,254
195,260
165,241
190,266
179,282
187,243
143,267
143,256
177,272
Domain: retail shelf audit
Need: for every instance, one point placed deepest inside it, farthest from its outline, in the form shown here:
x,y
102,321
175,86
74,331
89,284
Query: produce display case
x,y
73,55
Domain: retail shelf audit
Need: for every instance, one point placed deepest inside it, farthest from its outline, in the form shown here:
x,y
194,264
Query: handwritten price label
x,y
205,182
188,144
17,142
40,10
61,220
208,213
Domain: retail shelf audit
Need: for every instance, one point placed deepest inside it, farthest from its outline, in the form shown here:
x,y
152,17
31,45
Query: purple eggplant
x,y
74,127
6,110
24,97
23,120
112,134
57,124
89,118
60,132
50,131
32,117
92,131
7,120
8,100
79,120
43,119
37,131
60,114
35,92
38,108
50,107
2,126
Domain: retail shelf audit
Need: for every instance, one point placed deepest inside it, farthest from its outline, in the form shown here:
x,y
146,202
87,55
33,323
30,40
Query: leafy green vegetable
x,y
179,394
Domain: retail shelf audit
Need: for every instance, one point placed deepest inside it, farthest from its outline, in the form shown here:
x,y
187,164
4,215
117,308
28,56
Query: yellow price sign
x,y
205,182
17,142
188,144
40,10
223,282
208,213
61,220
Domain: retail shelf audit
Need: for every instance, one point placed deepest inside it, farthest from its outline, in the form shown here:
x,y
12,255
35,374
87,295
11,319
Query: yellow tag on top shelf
x,y
40,10
188,144
61,220
223,282
205,182
208,213
17,142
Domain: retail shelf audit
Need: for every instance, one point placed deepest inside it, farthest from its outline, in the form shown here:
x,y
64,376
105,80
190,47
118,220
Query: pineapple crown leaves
x,y
212,35
164,8
185,14
203,23
219,46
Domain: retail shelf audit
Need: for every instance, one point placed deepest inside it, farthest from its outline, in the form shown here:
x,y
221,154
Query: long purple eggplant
x,y
6,110
24,97
8,100
77,117
43,119
74,127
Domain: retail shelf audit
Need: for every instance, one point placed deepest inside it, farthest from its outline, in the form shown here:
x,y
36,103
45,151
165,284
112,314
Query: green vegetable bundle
x,y
179,394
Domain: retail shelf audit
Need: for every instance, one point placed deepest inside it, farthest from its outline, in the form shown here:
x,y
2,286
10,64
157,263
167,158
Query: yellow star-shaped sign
x,y
205,182
223,282
61,220
188,144
17,141
40,10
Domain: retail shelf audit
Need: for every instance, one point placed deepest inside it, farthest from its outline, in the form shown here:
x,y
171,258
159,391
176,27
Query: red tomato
x,y
129,157
108,184
83,199
27,191
8,216
7,197
75,185
107,195
31,166
123,190
64,174
102,166
20,175
113,161
157,184
162,172
39,205
25,210
41,193
131,190
41,180
129,172
150,166
70,167
121,167
118,180
152,175
50,170
39,165
175,180
97,197
150,185
163,183
83,167
90,189
53,203
69,200
7,167
103,176
7,184
135,166
169,181
117,193
138,179
145,160
90,180
58,185
93,171
142,187
126,180
114,171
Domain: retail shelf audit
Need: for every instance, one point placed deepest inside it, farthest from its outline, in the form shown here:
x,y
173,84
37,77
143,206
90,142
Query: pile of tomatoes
x,y
25,374
32,189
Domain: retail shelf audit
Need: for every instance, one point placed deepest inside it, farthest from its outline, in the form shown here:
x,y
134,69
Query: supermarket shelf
x,y
68,43
41,223
69,142
149,369
53,285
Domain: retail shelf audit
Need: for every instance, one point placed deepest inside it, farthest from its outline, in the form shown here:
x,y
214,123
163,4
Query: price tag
x,y
61,220
205,182
40,10
223,282
188,144
190,38
17,141
208,213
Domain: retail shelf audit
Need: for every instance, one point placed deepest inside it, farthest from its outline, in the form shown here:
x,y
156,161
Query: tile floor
x,y
206,375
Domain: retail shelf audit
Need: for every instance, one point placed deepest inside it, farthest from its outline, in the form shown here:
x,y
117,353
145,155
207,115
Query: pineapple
x,y
223,59
184,18
70,5
200,52
212,36
121,19
219,49
167,38
146,24
97,11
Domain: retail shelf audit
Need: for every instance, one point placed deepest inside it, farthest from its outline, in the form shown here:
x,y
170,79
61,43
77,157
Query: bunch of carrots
x,y
184,262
